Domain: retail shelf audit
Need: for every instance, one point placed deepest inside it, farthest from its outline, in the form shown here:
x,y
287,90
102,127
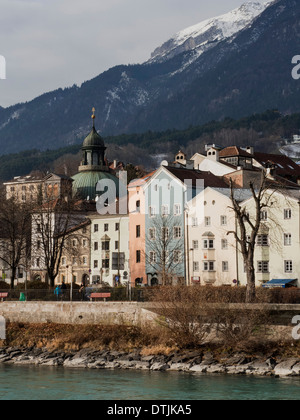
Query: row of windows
x,y
106,227
73,242
208,221
262,266
210,266
24,188
105,245
165,233
117,262
262,240
176,256
165,210
223,221
153,256
75,261
287,215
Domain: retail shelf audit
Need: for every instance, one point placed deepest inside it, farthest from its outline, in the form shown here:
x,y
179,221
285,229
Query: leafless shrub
x,y
240,328
202,315
278,295
183,312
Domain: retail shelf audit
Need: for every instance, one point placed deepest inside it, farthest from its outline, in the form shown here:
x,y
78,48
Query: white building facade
x,y
278,243
110,250
212,252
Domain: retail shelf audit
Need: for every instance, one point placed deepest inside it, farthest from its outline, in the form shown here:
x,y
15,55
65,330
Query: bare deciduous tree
x,y
15,233
52,222
184,313
165,244
250,226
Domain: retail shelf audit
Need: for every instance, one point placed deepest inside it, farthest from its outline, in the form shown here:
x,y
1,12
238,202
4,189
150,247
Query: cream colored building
x,y
76,257
61,239
24,188
110,249
211,162
212,256
278,243
32,188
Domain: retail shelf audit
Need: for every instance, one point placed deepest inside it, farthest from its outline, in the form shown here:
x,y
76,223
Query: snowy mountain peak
x,y
206,34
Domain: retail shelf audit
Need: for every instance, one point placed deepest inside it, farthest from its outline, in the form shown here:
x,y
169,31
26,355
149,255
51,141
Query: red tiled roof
x,y
234,151
140,181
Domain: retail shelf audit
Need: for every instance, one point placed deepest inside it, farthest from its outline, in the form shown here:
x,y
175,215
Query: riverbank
x,y
190,362
147,349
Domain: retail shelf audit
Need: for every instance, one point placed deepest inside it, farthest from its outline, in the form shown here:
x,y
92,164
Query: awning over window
x,y
281,283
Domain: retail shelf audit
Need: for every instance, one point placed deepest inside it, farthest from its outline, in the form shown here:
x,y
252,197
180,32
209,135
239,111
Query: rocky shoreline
x,y
191,362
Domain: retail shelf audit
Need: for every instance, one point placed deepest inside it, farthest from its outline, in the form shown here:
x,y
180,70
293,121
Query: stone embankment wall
x,y
133,313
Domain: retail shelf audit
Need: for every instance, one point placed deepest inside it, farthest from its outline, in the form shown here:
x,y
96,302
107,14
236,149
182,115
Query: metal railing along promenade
x,y
51,295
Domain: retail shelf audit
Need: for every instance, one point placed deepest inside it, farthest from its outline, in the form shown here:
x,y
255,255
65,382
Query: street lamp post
x,y
193,271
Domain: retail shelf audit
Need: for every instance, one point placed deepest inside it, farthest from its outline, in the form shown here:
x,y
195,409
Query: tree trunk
x,y
12,279
250,289
51,279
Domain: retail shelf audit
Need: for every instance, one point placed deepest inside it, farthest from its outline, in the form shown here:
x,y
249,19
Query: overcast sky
x,y
49,44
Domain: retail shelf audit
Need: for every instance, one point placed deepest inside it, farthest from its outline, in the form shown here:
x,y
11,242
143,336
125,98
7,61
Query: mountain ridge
x,y
248,73
207,33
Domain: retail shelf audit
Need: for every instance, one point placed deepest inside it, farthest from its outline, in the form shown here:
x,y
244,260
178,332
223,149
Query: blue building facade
x,y
166,196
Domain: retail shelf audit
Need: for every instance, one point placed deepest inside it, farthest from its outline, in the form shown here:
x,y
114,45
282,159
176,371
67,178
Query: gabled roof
x,y
198,154
241,195
140,181
284,165
23,179
59,176
34,178
210,180
234,151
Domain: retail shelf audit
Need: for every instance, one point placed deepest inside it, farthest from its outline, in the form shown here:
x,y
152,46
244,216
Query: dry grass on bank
x,y
77,337
148,341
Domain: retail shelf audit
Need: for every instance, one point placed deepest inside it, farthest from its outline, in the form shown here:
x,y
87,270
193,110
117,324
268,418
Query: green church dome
x,y
93,168
93,140
85,184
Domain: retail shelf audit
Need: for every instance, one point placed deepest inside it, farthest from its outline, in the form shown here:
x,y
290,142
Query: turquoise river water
x,y
44,383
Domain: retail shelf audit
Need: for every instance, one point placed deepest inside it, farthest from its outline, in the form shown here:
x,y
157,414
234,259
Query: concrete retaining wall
x,y
77,312
133,313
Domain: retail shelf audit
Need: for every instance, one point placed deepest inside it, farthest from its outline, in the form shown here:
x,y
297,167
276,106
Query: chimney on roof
x,y
271,170
189,164
213,154
250,150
